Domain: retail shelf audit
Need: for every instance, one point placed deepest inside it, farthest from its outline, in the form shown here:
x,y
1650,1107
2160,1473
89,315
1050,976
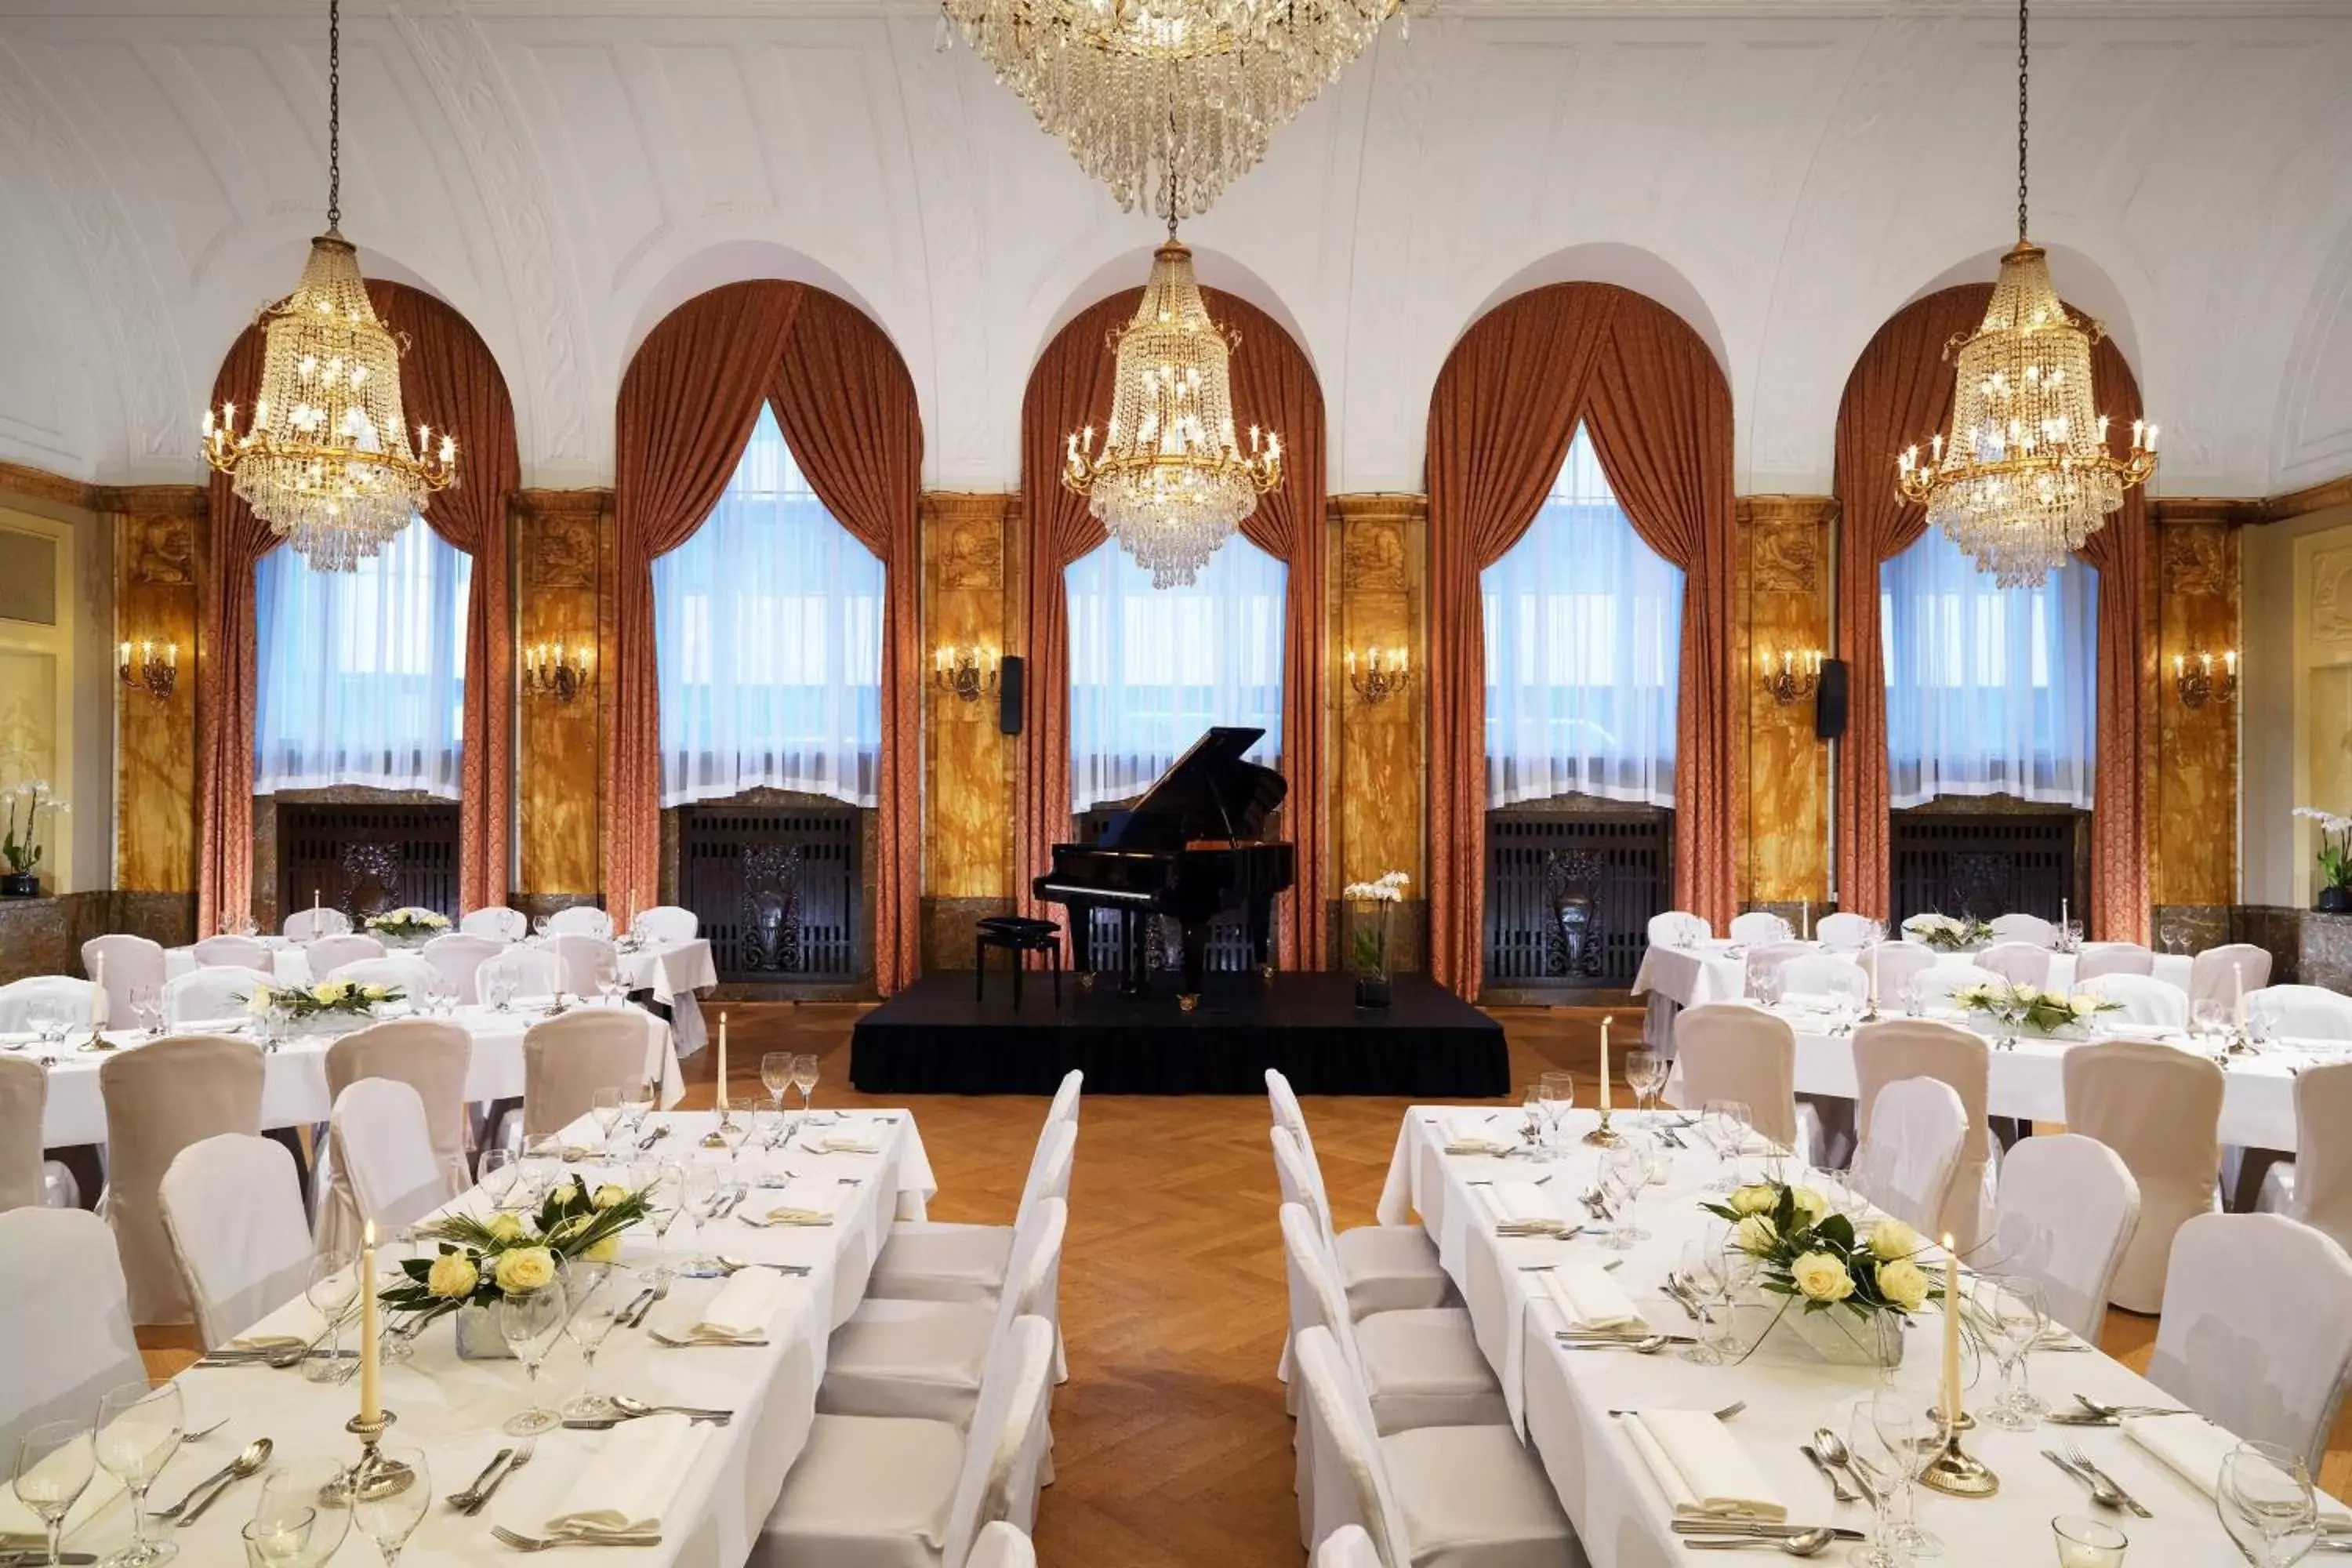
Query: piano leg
x,y
1195,960
1132,933
1261,935
1082,945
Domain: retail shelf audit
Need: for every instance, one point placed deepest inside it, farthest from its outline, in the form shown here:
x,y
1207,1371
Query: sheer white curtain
x,y
1989,691
768,643
1584,626
1150,668
360,676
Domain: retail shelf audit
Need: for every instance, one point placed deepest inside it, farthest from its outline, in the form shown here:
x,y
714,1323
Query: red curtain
x,y
2123,787
1273,387
1504,409
225,672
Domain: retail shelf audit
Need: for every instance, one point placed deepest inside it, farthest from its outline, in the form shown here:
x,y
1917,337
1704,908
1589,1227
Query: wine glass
x,y
1705,1275
1724,1123
2263,1497
54,1465
47,1017
1624,1171
602,1296
734,1132
320,1487
605,1107
543,927
334,1285
147,1009
1912,1433
139,1428
1883,1472
2012,1314
776,1074
500,1173
707,1181
2211,1017
805,1074
529,1320
1646,1070
664,1185
497,985
389,1510
1556,1092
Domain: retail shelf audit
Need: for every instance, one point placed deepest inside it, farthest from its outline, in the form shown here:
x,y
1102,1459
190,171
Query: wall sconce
x,y
2193,681
968,672
154,665
1381,674
555,670
1792,675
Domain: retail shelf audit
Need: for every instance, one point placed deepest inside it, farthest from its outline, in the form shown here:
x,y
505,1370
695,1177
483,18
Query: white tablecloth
x,y
452,1408
1562,1397
1716,972
666,970
294,1088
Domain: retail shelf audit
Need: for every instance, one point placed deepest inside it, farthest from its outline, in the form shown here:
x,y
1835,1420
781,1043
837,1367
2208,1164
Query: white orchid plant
x,y
21,845
2335,845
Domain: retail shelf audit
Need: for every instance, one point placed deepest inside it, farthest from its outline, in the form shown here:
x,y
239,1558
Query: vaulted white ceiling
x,y
1785,173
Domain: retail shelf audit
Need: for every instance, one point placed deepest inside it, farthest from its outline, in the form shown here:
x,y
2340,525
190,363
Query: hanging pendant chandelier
x,y
324,455
2027,475
1172,482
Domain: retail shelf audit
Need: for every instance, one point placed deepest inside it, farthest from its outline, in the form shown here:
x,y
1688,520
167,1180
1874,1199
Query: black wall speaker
x,y
1829,700
1008,694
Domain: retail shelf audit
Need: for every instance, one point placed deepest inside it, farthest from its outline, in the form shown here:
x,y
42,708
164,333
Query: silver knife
x,y
2130,1501
482,1489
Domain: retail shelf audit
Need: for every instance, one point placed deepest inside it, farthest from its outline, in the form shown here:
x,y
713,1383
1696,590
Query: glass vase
x,y
1368,950
1783,1330
479,1338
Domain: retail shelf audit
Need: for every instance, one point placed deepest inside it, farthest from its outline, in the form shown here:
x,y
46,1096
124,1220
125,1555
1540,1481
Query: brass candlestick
x,y
1956,1474
374,1474
1604,1136
711,1140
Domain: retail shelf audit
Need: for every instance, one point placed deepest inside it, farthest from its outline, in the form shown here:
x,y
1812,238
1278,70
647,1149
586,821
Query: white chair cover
x,y
2315,1186
232,1206
1899,963
497,922
2301,1012
1911,1150
1769,957
1347,1547
2209,971
1287,1112
2160,1108
534,970
2018,963
309,925
2257,1329
65,1318
1760,925
203,994
2099,958
1678,928
160,1099
329,954
566,1059
930,1260
405,971
1843,931
24,1100
133,963
385,1167
2145,998
1065,1107
430,1056
1824,974
2068,1205
584,961
232,952
18,996
1727,1051
580,919
2022,928
457,957
667,922
1351,1484
1919,1047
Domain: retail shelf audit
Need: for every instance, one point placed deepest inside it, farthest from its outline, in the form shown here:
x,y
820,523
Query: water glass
x,y
1706,1274
529,1320
664,1185
389,1514
776,1075
2264,1500
599,1299
320,1487
805,1075
500,1173
1646,1070
2087,1542
282,1541
147,1009
332,1290
604,1106
54,1465
1557,1093
1624,1171
1912,1433
496,983
139,1428
1872,1462
1725,1124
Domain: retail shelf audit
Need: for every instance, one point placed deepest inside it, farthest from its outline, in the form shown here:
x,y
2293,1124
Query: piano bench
x,y
1016,935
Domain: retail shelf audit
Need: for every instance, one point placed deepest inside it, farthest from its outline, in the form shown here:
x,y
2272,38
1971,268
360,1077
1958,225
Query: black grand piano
x,y
1188,848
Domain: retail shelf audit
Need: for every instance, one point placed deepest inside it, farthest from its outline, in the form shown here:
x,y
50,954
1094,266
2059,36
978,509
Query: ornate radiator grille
x,y
364,859
1569,895
1982,865
777,889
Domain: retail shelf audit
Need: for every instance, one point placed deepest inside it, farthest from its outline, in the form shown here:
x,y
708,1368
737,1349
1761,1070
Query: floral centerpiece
x,y
2016,1005
477,1262
1946,933
1850,1291
20,845
2334,895
1370,907
300,1004
408,925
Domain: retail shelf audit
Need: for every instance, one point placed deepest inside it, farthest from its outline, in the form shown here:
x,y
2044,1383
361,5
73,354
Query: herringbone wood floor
x,y
1171,1441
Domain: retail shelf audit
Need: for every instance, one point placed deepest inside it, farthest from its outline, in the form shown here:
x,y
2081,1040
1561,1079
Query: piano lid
x,y
1208,792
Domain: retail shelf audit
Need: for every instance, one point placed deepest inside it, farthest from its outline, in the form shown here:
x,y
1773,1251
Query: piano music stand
x,y
1016,935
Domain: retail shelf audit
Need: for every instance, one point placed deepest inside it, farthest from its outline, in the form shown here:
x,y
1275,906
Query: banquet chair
x,y
2210,973
1382,1267
2257,1329
232,1207
1911,1151
1760,925
1770,957
2068,1206
431,1056
1899,963
1347,1547
908,1492
2031,929
2145,999
2315,1186
925,1359
202,996
1460,1497
1830,974
533,971
497,922
584,963
2018,963
668,923
1065,1104
232,952
404,972
1921,1048
386,1166
310,925
567,1058
2099,958
24,1100
18,998
160,1099
932,1260
2160,1109
131,963
2301,1013
1283,1100
1730,1051
65,1317
329,954
580,919
1678,928
1843,931
457,958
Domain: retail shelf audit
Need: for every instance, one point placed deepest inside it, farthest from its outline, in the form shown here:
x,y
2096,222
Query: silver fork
x,y
2082,1462
523,1451
1726,1413
547,1543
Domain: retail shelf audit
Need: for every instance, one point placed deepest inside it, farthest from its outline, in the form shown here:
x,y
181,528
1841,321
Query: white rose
x,y
1755,1236
525,1269
1811,1207
454,1277
1821,1277
1891,1240
1757,1197
1901,1282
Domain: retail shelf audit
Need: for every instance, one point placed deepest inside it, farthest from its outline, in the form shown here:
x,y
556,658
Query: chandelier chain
x,y
2022,76
335,114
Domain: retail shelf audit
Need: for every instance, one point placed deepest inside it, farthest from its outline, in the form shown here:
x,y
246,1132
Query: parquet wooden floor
x,y
1171,1441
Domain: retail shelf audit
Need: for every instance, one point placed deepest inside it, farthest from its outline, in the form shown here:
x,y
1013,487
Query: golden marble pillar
x,y
1382,544
159,540
563,542
967,553
1782,599
2196,745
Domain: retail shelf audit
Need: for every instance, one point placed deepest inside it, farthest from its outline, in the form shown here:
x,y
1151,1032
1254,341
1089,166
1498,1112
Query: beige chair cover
x,y
133,964
2068,1205
2022,928
2257,1329
533,970
667,922
585,961
1678,928
1908,1160
2160,1108
1727,1051
1899,963
1769,957
1921,1048
2315,1186
1844,932
457,957
498,923
232,1208
581,919
233,953
566,1059
64,1320
2099,958
1824,974
208,994
1760,926
2145,999
2301,1013
24,1099
384,1164
1002,1545
405,972
160,1099
2209,971
329,954
17,998
2018,963
309,925
429,1056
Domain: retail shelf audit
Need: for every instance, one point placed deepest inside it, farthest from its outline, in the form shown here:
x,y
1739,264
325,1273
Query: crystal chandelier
x,y
1167,100
1170,482
323,457
2027,475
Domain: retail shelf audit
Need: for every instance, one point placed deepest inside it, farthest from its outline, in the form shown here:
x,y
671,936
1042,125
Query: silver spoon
x,y
1838,1487
1833,1448
2111,1411
628,1406
256,1454
1805,1544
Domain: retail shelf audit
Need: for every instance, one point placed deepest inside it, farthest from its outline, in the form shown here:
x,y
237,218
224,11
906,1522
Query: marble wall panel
x,y
1382,545
1782,597
2197,748
159,541
969,548
562,576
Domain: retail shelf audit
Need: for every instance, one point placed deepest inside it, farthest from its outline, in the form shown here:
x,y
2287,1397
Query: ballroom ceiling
x,y
1785,173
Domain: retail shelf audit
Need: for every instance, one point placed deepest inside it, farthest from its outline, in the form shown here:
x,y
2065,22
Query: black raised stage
x,y
933,1039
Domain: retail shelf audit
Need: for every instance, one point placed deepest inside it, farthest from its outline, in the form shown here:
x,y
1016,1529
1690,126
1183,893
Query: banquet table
x,y
453,1408
666,969
294,1085
1561,1399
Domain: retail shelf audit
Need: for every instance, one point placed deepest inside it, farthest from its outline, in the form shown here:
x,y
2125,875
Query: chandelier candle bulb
x,y
370,1348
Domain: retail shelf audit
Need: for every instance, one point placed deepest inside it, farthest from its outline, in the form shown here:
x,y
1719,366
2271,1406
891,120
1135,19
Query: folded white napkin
x,y
1589,1299
807,1200
1520,1209
2192,1447
634,1479
853,1138
1700,1466
1469,1133
744,1308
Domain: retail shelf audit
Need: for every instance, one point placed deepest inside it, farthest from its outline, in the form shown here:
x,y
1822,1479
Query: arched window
x,y
768,643
361,674
1584,626
1150,668
1989,691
